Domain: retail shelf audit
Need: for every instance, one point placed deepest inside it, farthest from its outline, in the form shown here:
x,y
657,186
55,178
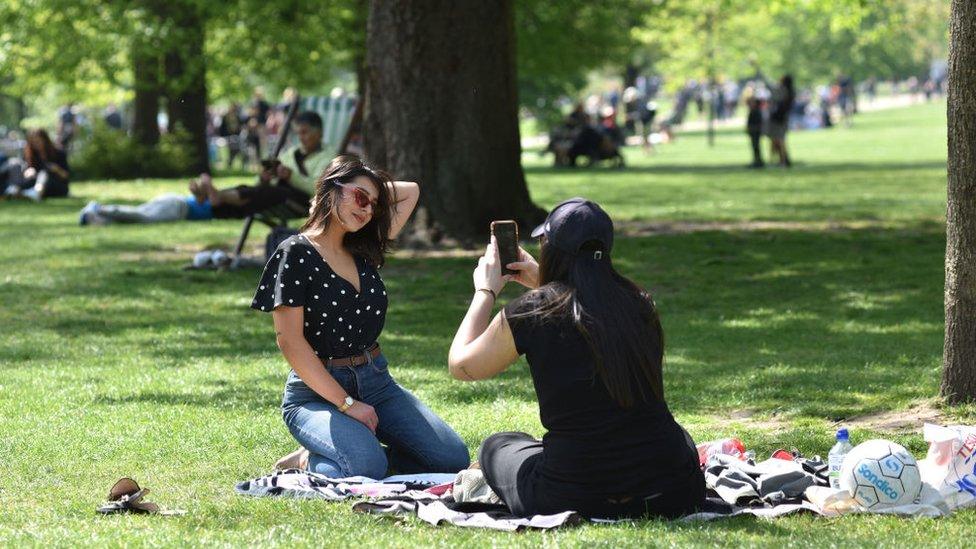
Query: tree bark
x,y
959,359
442,109
145,70
187,87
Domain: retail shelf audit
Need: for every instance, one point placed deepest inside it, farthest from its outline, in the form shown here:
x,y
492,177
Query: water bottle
x,y
835,459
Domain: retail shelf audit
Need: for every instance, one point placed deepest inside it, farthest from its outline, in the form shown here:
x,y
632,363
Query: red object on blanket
x,y
728,446
440,489
782,454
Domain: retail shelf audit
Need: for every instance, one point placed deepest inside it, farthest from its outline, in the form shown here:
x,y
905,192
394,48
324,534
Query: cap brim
x,y
539,231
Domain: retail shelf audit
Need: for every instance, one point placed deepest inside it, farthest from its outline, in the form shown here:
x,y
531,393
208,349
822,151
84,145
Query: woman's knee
x,y
370,464
452,457
367,462
498,440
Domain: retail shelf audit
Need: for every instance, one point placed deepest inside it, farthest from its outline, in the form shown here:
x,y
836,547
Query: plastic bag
x,y
950,466
727,446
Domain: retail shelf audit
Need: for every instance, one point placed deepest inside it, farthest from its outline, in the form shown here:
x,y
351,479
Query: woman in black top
x,y
44,172
329,302
594,346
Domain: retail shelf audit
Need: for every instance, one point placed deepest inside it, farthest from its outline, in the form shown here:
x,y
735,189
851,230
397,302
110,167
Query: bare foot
x,y
295,460
206,185
196,191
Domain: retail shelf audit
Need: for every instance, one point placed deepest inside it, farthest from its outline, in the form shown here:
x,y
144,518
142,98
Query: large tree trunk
x,y
959,372
442,109
187,87
145,70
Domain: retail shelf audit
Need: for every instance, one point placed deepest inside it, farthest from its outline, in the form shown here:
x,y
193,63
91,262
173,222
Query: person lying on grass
x,y
328,301
295,173
595,347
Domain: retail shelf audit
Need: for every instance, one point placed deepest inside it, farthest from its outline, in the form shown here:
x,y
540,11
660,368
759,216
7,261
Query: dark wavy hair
x,y
39,148
616,317
373,240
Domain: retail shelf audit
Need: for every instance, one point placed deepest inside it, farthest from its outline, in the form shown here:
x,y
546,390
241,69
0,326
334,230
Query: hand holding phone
x,y
506,238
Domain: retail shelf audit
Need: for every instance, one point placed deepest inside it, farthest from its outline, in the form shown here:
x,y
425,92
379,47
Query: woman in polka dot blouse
x,y
328,301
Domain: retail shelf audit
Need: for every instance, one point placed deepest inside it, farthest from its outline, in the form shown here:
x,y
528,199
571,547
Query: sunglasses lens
x,y
362,199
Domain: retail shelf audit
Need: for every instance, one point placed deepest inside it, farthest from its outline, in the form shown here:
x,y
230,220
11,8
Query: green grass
x,y
117,362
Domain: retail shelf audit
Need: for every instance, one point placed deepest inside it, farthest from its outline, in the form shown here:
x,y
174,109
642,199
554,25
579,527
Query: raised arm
x,y
481,349
407,193
288,323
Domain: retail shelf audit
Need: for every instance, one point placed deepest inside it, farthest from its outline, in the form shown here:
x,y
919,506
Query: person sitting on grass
x,y
595,349
328,302
43,173
296,173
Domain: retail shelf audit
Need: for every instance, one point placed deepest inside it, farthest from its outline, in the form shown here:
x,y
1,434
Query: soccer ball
x,y
879,474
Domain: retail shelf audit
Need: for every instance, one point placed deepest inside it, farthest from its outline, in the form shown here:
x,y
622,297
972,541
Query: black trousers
x,y
755,138
259,198
509,459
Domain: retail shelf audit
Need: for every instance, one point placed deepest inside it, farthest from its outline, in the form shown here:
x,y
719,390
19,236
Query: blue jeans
x,y
339,446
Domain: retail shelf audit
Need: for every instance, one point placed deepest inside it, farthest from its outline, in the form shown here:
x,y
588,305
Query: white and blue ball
x,y
879,474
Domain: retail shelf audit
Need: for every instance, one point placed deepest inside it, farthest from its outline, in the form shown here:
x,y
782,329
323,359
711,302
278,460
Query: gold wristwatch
x,y
346,404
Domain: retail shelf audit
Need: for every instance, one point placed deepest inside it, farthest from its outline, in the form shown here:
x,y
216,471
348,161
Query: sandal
x,y
126,497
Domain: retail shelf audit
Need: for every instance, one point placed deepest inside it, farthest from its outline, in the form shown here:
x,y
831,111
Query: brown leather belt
x,y
355,360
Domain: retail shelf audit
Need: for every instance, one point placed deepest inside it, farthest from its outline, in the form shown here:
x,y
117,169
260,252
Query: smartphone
x,y
270,165
506,237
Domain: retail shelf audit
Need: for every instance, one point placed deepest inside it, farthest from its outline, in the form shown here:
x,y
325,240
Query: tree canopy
x,y
812,39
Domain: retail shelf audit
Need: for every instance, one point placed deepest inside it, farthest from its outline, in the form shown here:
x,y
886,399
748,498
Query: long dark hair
x,y
373,240
39,148
616,317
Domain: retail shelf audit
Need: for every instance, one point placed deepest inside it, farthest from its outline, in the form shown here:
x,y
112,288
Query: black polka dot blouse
x,y
338,321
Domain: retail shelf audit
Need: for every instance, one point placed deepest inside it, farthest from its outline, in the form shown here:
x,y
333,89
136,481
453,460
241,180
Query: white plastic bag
x,y
950,465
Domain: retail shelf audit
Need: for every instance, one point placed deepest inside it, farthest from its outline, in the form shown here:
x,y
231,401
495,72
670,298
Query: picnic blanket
x,y
429,497
775,487
772,488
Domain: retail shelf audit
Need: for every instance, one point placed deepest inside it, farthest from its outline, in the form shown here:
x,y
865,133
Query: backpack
x,y
276,237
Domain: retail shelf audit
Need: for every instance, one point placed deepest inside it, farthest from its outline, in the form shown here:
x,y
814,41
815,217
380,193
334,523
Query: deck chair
x,y
340,115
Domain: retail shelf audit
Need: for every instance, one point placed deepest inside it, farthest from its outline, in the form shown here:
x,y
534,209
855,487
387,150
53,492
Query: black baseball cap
x,y
573,223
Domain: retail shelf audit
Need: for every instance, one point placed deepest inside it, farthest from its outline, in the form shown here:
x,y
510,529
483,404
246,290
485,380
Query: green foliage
x,y
814,39
559,42
107,153
295,43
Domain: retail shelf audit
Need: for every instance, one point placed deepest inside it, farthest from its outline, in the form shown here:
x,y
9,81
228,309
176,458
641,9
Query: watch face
x,y
349,401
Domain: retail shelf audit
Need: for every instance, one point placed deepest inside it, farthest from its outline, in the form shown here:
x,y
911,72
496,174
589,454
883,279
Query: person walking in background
x,y
779,119
230,129
730,92
754,127
67,123
253,128
846,98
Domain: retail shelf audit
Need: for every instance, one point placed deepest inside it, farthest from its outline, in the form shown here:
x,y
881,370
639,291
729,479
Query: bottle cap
x,y
842,434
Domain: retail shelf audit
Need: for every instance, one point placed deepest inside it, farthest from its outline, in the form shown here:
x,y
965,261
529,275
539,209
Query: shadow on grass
x,y
799,167
823,324
255,395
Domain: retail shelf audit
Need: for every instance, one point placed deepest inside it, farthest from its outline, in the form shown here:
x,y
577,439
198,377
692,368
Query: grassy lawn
x,y
117,362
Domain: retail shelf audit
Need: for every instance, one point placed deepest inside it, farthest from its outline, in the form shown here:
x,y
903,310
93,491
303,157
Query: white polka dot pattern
x,y
283,283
